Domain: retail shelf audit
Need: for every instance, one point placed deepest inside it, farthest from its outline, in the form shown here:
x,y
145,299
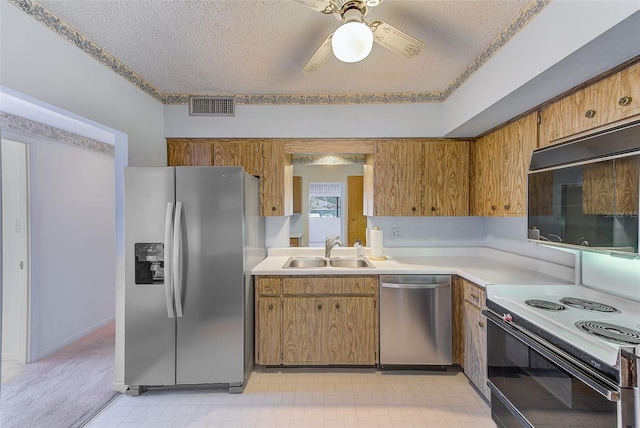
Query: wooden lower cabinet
x,y
475,337
303,328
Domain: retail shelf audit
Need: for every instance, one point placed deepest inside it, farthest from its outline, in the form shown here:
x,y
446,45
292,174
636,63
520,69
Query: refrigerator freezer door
x,y
210,333
149,331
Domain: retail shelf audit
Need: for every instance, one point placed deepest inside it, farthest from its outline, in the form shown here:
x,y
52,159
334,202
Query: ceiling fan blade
x,y
319,57
325,6
395,40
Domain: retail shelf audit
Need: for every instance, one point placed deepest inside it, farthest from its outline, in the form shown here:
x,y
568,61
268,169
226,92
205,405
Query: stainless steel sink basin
x,y
351,263
304,262
319,262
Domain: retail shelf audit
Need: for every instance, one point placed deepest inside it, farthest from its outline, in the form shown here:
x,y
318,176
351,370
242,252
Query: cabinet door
x,y
297,194
276,180
519,139
597,188
575,113
446,178
269,331
475,352
244,153
627,99
485,178
351,330
627,172
303,330
189,152
397,175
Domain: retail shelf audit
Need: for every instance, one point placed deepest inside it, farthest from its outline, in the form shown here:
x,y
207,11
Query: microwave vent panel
x,y
212,106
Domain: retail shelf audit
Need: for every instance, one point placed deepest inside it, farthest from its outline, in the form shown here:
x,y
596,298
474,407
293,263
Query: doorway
x,y
325,212
15,253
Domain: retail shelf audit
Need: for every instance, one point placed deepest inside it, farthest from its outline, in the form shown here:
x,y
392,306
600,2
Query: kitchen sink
x,y
350,263
319,262
305,262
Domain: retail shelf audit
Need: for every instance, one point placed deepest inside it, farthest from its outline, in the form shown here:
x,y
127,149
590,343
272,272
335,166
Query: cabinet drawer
x,y
474,294
268,286
326,285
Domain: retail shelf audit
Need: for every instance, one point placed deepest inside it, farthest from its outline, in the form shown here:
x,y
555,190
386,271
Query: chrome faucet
x,y
559,239
329,243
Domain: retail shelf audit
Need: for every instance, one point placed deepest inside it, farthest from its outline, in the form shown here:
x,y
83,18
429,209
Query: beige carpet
x,y
66,388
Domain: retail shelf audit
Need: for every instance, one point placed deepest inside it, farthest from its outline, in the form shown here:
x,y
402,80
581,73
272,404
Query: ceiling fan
x,y
353,40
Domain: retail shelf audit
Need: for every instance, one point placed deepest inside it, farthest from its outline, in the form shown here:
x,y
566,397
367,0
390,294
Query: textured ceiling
x,y
247,47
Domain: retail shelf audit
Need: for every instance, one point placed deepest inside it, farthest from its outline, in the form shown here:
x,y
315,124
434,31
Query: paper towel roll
x,y
377,245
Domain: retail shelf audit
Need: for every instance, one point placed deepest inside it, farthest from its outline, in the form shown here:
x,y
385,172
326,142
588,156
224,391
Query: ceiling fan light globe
x,y
352,42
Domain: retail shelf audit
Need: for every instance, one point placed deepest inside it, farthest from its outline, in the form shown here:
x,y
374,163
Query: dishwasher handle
x,y
415,286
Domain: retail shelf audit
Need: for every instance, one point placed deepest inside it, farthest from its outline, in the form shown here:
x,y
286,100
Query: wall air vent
x,y
212,106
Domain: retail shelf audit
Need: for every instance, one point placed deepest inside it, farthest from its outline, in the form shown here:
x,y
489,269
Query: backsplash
x,y
611,274
505,234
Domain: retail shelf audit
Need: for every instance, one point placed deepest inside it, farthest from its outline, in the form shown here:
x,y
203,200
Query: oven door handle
x,y
562,359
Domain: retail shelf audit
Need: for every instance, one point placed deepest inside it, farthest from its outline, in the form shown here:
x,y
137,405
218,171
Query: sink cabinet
x,y
475,336
316,320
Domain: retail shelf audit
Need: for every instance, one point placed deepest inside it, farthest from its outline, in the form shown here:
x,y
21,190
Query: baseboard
x,y
75,337
120,387
10,356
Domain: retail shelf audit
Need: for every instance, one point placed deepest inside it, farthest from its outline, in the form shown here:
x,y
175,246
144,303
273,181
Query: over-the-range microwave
x,y
584,193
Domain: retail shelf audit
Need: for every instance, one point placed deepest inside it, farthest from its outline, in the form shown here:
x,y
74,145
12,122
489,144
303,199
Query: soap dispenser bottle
x,y
359,249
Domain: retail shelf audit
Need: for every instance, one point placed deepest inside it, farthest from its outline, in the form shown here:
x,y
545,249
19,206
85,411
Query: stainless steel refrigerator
x,y
192,236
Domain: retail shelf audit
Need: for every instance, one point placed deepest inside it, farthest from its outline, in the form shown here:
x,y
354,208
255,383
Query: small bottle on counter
x,y
359,249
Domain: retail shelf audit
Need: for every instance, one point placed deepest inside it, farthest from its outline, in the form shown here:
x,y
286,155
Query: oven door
x,y
533,385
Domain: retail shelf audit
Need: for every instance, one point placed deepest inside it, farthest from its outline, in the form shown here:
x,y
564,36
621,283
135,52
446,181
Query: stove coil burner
x,y
588,305
611,332
546,305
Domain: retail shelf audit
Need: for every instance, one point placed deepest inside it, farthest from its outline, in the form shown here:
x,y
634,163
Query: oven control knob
x,y
507,318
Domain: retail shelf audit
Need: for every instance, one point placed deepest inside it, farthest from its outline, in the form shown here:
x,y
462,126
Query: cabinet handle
x,y
480,324
273,208
625,101
506,207
433,208
337,305
271,307
413,209
493,207
319,307
590,114
475,297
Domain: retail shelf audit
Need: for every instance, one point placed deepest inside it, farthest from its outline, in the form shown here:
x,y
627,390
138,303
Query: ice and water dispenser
x,y
149,263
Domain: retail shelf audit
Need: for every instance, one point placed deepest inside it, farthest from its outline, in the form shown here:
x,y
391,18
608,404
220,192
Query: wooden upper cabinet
x,y
276,181
417,177
244,153
190,152
520,138
297,194
446,178
605,102
627,171
500,163
397,178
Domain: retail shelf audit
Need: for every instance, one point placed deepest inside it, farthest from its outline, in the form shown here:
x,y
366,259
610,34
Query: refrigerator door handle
x,y
168,260
177,259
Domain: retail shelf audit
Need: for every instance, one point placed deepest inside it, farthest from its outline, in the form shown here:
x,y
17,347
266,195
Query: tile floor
x,y
302,398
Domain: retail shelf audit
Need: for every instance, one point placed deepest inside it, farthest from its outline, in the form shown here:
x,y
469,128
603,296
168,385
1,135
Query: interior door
x,y
15,251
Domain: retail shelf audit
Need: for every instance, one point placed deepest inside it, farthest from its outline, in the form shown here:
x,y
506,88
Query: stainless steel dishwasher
x,y
415,320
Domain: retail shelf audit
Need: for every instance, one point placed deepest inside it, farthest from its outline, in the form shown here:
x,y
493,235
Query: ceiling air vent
x,y
212,106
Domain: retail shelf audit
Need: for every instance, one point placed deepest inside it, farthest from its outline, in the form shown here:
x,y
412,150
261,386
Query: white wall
x,y
41,64
73,243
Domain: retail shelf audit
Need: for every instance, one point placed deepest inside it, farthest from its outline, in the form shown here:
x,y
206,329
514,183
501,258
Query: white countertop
x,y
477,264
